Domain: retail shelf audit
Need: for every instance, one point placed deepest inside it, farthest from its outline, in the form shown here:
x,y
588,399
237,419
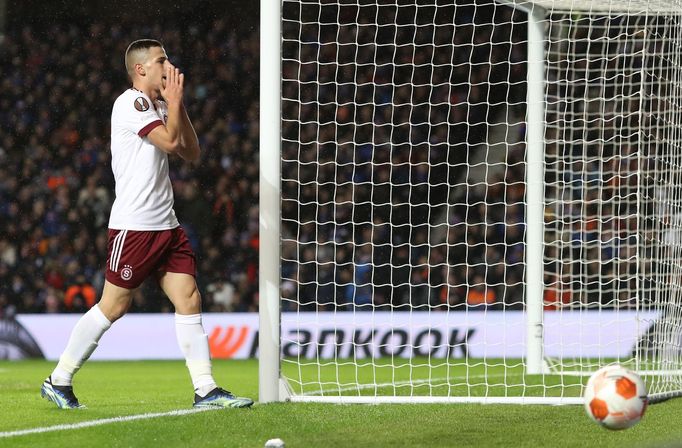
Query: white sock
x,y
83,341
194,345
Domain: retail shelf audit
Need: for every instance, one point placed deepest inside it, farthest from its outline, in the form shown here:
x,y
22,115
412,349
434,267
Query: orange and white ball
x,y
615,397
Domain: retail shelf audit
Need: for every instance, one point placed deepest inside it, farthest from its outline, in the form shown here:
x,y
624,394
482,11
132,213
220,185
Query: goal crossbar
x,y
651,7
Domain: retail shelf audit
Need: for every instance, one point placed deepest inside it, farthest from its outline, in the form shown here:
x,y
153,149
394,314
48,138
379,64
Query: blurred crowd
x,y
611,217
58,85
384,109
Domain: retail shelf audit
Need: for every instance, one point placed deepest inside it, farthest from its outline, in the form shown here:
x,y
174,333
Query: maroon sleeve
x,y
147,129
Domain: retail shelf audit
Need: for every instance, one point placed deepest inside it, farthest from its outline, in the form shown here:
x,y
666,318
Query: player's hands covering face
x,y
173,88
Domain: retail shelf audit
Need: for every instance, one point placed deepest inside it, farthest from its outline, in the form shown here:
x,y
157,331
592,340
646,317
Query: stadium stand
x,y
58,86
59,82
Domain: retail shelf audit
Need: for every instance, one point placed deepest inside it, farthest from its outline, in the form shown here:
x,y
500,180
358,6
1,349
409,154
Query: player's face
x,y
156,67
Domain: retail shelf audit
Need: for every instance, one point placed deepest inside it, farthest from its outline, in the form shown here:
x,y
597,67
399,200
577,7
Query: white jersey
x,y
144,195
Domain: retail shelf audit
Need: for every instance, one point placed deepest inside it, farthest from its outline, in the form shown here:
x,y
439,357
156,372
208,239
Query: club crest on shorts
x,y
141,104
127,272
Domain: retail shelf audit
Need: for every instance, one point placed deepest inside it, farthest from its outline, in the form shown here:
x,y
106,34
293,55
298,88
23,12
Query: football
x,y
615,397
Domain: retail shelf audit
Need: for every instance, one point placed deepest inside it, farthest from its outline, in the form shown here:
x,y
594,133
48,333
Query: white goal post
x,y
469,201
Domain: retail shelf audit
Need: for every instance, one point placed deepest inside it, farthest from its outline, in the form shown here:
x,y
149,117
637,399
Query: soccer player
x,y
148,123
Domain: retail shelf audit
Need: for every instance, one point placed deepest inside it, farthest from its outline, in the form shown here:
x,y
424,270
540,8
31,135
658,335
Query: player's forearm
x,y
167,138
173,126
189,142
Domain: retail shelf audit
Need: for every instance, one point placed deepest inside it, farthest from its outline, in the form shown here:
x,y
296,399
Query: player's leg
x,y
181,289
82,342
115,301
132,257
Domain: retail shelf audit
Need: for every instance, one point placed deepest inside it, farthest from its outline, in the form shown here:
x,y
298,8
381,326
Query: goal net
x,y
480,201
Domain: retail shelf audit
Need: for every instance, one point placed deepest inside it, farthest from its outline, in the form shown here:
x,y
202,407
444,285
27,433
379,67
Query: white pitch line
x,y
103,421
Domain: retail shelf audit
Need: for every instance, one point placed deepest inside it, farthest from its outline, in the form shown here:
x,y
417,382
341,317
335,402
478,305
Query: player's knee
x,y
115,301
195,300
188,303
113,311
122,308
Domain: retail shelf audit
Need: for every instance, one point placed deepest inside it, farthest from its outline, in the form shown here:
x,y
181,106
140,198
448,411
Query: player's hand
x,y
173,89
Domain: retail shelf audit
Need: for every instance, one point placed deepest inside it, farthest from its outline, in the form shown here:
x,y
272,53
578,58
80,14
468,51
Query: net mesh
x,y
612,180
404,187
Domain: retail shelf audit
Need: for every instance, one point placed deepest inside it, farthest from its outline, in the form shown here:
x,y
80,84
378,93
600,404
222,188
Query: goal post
x,y
535,152
269,198
469,201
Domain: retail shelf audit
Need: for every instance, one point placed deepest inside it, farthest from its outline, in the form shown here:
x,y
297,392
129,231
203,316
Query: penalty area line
x,y
103,421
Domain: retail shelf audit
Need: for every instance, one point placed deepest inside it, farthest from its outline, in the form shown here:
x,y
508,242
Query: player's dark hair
x,y
140,44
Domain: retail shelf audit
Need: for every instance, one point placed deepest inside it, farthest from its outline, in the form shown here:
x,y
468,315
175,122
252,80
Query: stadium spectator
x,y
56,186
366,180
80,297
396,152
479,294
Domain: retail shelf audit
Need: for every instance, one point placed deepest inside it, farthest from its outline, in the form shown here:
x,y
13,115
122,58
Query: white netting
x,y
613,192
403,198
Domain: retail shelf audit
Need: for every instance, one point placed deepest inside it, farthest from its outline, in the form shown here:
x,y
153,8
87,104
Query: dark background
x,y
62,68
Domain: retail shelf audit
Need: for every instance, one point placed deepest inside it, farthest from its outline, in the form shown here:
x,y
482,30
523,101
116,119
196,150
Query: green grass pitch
x,y
119,389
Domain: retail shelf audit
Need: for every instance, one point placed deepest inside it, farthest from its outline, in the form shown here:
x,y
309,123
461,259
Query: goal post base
x,y
285,392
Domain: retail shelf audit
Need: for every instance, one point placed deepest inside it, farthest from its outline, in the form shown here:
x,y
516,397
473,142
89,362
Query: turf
x,y
112,389
423,376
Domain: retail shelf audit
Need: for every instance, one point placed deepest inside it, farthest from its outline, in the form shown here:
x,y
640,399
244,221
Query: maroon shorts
x,y
135,255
